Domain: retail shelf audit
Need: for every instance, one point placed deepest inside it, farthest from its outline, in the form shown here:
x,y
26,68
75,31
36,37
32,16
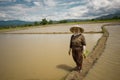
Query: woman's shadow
x,y
65,67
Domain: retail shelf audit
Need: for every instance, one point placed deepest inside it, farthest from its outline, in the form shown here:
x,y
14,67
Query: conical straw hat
x,y
75,28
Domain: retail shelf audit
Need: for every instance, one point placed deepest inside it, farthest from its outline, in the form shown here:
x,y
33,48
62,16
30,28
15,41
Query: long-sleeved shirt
x,y
78,40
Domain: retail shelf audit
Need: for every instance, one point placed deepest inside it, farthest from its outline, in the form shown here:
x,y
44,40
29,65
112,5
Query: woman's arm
x,y
70,45
84,46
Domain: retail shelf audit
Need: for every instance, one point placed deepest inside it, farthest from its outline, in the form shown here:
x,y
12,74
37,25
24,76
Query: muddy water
x,y
37,57
108,66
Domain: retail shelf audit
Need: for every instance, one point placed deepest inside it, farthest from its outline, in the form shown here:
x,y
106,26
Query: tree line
x,y
44,21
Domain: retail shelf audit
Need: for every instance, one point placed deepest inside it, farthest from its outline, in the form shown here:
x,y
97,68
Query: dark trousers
x,y
77,56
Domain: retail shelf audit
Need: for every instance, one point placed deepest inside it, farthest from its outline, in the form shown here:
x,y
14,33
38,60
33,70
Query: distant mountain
x,y
109,16
14,23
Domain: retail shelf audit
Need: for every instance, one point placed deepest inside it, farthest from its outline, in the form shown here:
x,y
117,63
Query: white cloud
x,y
14,12
70,3
103,6
50,3
2,15
77,11
37,3
100,3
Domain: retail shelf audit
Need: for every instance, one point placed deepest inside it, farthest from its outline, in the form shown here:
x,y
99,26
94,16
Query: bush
x,y
36,23
44,21
50,22
63,21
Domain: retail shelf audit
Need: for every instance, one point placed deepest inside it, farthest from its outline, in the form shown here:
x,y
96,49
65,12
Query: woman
x,y
77,45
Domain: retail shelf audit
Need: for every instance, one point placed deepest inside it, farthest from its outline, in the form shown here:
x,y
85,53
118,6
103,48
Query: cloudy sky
x,y
35,10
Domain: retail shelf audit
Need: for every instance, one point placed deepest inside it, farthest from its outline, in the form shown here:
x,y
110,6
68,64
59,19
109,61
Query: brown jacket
x,y
77,41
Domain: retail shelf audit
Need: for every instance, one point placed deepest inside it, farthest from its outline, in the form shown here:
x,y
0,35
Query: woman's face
x,y
76,31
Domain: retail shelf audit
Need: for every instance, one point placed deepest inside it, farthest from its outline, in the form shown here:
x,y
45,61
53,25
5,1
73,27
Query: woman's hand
x,y
84,51
84,56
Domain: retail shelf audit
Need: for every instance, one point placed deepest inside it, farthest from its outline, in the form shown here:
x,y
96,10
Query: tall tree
x,y
44,21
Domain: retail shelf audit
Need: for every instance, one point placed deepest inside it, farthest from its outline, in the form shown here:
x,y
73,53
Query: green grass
x,y
95,21
86,53
12,29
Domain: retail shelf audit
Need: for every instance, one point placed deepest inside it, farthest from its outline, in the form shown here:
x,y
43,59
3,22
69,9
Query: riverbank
x,y
92,57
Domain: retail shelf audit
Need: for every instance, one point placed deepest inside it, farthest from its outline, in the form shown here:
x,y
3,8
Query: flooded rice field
x,y
61,28
108,65
38,56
